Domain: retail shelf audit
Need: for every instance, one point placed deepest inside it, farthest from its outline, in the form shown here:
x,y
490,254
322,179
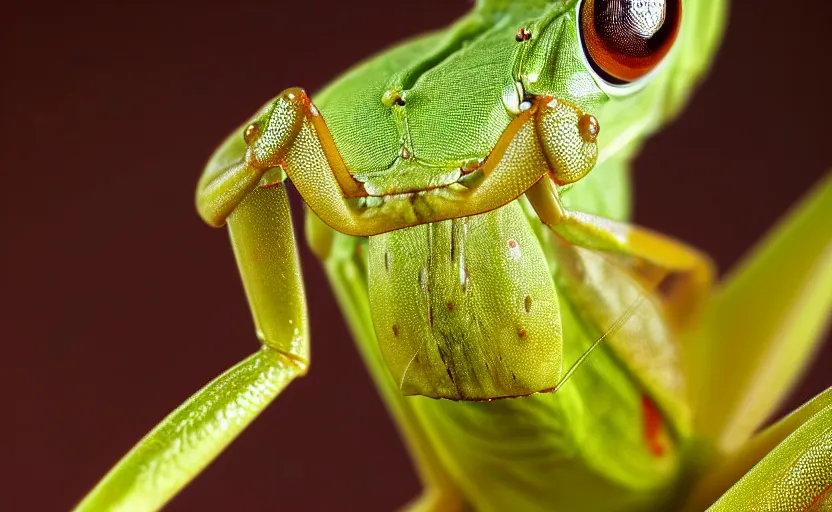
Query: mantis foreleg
x,y
191,436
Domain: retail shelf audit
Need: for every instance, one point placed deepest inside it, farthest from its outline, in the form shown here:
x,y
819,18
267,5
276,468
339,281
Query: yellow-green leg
x,y
684,276
192,435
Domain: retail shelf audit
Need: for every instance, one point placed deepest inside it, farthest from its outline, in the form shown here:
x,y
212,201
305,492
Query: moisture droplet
x,y
589,128
512,97
251,132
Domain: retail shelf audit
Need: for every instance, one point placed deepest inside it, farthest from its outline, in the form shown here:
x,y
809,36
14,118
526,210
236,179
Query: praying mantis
x,y
468,198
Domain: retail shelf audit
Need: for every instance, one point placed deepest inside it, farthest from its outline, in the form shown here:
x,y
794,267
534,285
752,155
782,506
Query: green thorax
x,y
413,116
419,114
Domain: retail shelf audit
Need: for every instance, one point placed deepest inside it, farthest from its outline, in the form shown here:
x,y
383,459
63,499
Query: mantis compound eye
x,y
625,39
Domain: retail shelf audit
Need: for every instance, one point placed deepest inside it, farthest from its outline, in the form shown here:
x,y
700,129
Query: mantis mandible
x,y
468,198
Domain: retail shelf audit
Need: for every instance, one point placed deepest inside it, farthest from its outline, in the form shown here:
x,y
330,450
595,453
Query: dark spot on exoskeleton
x,y
387,261
451,306
513,377
523,333
430,316
392,97
512,244
447,368
395,330
523,35
528,303
453,244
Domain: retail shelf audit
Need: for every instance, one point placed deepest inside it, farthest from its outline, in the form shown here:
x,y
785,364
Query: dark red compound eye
x,y
626,39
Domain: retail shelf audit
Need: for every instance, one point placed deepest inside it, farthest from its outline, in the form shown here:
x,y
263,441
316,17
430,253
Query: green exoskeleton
x,y
468,196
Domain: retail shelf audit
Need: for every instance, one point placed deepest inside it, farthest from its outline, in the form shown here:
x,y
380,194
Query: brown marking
x,y
512,244
523,35
523,333
528,303
395,330
451,306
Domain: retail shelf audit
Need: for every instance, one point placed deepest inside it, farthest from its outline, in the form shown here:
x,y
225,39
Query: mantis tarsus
x,y
453,294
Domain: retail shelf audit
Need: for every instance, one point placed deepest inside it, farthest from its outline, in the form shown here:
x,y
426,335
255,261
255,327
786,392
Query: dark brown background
x,y
119,302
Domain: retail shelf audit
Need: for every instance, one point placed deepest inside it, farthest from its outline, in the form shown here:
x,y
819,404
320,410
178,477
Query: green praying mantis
x,y
468,197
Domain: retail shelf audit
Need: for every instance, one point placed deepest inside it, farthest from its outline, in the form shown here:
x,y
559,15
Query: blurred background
x,y
118,302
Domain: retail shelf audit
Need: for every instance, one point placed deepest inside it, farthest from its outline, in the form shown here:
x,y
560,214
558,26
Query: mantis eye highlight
x,y
626,39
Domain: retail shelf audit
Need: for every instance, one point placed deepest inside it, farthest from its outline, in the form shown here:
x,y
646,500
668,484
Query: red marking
x,y
652,425
512,244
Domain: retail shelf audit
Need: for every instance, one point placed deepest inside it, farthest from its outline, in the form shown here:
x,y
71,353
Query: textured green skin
x,y
582,448
450,119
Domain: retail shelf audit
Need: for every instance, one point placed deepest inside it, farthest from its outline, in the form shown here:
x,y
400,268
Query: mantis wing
x,y
621,303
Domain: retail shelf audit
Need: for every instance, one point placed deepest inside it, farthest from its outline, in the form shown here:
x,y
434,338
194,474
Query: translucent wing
x,y
619,299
